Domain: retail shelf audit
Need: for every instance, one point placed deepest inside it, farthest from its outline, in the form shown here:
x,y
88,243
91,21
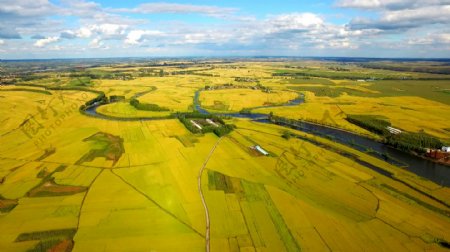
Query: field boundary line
x,y
156,203
205,206
82,203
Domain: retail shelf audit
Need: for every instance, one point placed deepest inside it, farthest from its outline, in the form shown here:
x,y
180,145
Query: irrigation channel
x,y
438,173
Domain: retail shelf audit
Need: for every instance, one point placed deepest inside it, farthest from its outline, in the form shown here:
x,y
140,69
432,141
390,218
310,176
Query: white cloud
x,y
296,21
135,37
208,36
430,39
309,30
371,4
420,23
104,31
399,14
95,43
285,31
342,44
81,8
428,14
90,12
83,32
150,8
18,16
108,30
389,4
195,38
27,8
45,41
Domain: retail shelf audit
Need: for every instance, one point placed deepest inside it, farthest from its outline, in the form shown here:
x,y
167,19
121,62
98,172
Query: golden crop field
x,y
237,99
125,110
111,176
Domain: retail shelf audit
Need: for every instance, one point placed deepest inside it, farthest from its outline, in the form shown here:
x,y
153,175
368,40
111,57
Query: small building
x,y
261,150
196,125
445,148
393,130
212,123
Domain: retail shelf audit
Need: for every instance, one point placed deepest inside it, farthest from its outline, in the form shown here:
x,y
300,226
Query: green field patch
x,y
80,82
43,173
331,91
106,145
123,110
7,205
319,91
436,90
421,67
386,104
341,74
406,108
412,141
428,89
116,98
257,193
43,235
219,181
60,240
47,152
311,81
187,140
218,105
146,106
376,124
60,168
50,188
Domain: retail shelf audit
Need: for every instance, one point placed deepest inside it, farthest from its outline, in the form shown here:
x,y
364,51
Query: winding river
x,y
438,173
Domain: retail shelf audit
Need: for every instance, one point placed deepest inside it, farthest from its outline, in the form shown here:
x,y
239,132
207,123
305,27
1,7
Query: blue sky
x,y
357,28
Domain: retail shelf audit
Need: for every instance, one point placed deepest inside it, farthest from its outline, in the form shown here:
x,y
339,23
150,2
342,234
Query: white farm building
x,y
261,150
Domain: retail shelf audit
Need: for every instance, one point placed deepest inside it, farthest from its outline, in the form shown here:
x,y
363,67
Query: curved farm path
x,y
199,179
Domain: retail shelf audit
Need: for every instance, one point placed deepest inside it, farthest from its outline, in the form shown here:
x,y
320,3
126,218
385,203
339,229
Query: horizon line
x,y
230,57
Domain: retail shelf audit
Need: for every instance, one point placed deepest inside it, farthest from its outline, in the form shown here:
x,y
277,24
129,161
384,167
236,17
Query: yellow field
x,y
316,109
237,99
124,109
240,69
126,220
141,177
175,93
406,113
349,218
